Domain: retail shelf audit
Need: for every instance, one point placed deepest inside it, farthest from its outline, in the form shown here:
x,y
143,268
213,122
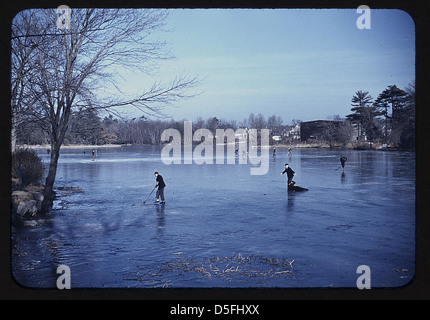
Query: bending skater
x,y
160,185
291,184
290,173
343,162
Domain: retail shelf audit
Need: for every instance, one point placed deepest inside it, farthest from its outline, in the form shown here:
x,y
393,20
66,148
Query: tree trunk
x,y
48,191
13,136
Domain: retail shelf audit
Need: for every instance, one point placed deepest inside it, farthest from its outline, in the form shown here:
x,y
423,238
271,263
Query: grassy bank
x,y
350,146
295,145
71,146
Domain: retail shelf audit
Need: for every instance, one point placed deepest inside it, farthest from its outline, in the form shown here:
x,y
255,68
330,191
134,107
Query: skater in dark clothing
x,y
160,185
291,184
290,173
343,162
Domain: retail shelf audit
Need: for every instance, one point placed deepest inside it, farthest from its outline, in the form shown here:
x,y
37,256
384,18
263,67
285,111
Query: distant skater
x,y
160,185
290,173
274,152
343,162
290,152
94,154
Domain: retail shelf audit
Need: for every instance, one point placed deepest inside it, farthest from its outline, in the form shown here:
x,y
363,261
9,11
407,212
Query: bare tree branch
x,y
59,71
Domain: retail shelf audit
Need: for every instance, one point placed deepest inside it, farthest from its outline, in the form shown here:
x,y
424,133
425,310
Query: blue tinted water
x,y
365,216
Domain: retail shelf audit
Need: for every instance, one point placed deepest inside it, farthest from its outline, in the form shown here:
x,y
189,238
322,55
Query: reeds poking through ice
x,y
237,267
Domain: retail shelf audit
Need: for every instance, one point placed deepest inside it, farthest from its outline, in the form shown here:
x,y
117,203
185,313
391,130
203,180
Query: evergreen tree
x,y
364,115
393,98
407,138
85,127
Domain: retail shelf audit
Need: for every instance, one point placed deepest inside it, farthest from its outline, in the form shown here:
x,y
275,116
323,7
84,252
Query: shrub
x,y
27,167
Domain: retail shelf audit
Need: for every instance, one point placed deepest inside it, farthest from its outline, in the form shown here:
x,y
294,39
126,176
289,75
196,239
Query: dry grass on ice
x,y
227,268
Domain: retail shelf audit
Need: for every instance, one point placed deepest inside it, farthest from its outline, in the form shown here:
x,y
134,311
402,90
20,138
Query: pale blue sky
x,y
299,64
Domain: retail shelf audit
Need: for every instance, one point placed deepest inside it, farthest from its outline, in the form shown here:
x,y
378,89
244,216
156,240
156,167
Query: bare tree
x,y
275,124
71,67
345,132
23,51
257,122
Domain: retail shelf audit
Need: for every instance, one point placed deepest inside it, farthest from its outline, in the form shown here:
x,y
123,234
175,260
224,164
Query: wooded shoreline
x,y
303,145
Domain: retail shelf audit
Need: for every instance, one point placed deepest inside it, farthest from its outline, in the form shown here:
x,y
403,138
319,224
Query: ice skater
x,y
342,162
291,184
290,173
160,185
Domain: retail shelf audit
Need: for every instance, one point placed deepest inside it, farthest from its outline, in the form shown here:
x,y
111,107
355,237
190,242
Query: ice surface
x,y
364,216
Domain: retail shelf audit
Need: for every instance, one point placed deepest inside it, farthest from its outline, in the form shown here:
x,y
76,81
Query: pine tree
x,y
364,114
393,98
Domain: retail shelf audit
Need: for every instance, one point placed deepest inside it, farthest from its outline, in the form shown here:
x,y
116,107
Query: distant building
x,y
241,136
292,132
277,138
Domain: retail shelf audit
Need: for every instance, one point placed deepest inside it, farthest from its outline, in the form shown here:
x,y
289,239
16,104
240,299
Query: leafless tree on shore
x,y
59,70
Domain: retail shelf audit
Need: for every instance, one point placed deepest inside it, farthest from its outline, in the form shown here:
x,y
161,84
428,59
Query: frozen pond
x,y
222,227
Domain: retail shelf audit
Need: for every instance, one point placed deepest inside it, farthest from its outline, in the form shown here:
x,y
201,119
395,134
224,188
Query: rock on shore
x,y
26,203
